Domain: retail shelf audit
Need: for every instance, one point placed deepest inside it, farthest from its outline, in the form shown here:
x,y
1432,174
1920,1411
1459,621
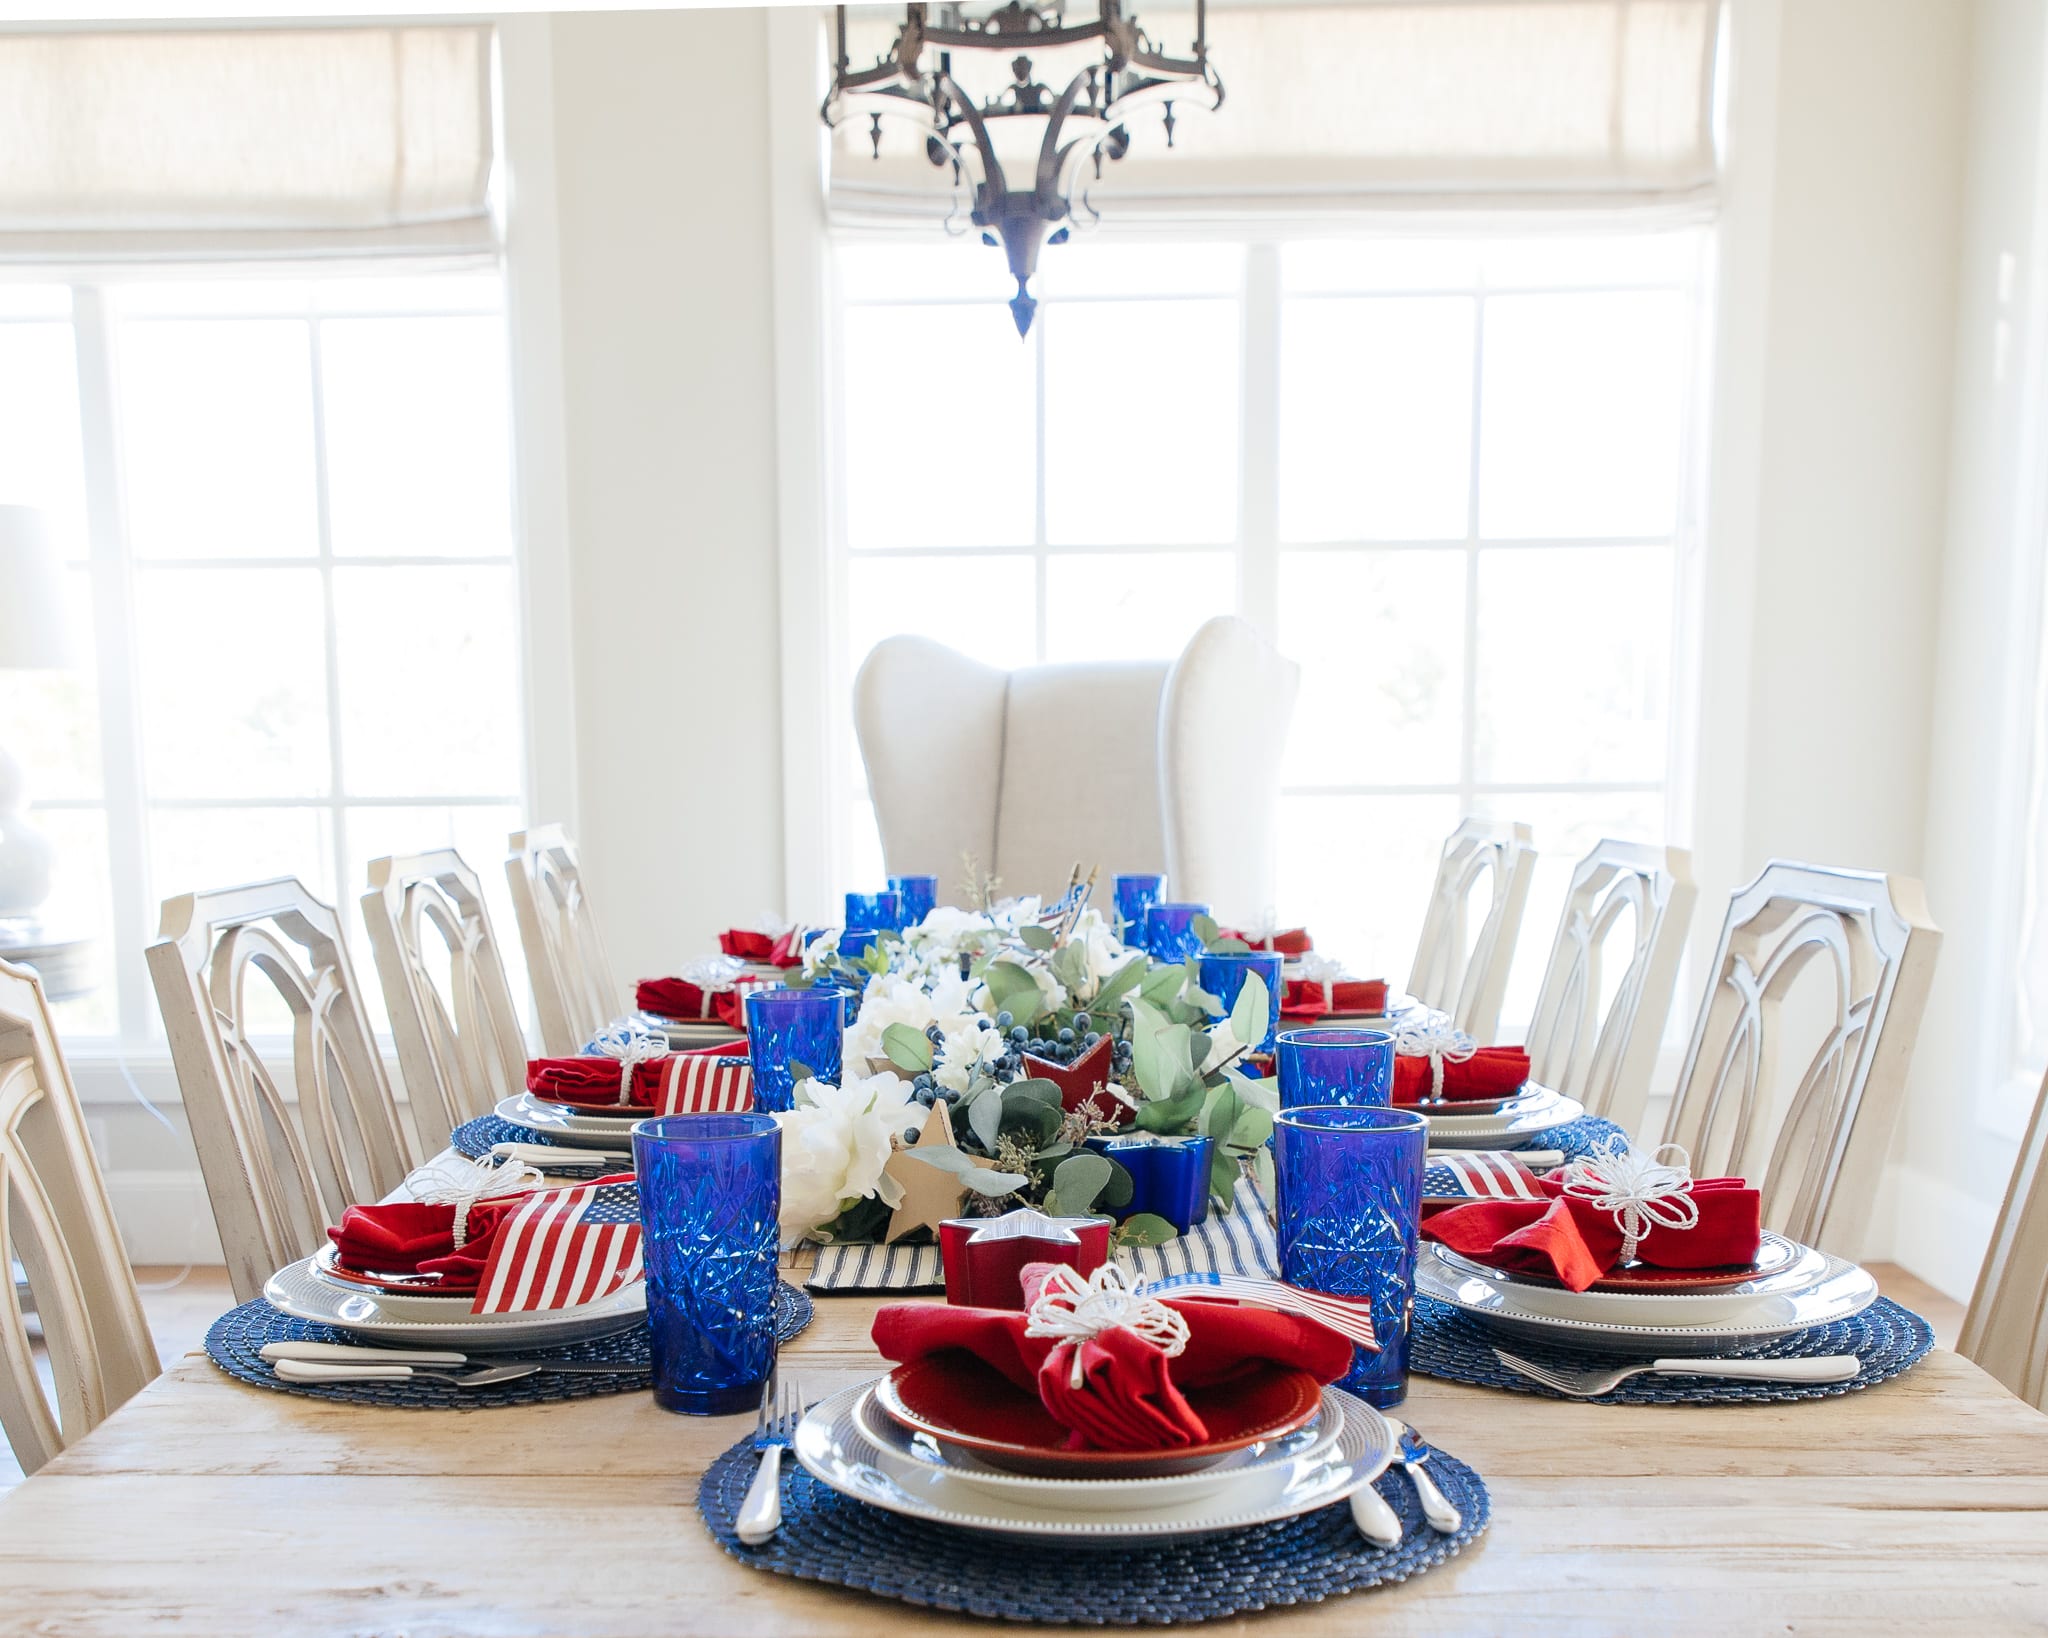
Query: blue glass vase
x,y
1169,1176
787,1027
1224,974
1169,931
1349,1182
919,896
710,1191
1135,895
853,943
1352,1066
874,911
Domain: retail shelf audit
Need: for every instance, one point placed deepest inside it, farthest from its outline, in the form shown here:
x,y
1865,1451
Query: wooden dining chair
x,y
1462,968
1839,957
2006,1329
245,975
55,1220
574,993
1596,1031
460,1050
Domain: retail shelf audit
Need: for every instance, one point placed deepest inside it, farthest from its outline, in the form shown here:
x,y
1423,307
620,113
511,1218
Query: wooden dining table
x,y
207,1506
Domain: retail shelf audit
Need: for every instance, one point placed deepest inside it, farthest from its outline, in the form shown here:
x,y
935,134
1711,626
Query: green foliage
x,y
1145,1229
1036,938
907,1048
1119,984
981,1179
1252,1011
1076,1182
1013,990
1205,929
1222,1175
799,1072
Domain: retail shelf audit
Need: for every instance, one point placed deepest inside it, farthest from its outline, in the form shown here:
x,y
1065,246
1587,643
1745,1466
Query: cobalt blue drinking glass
x,y
1169,931
1223,975
1353,1066
787,1027
710,1191
872,911
920,896
1134,895
855,940
1349,1182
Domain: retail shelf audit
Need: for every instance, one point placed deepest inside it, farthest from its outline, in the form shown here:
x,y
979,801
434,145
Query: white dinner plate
x,y
567,1124
684,1033
835,1451
902,1445
442,1322
1522,1118
1796,1269
1840,1291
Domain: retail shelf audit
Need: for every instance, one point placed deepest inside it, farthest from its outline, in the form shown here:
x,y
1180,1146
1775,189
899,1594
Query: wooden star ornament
x,y
931,1194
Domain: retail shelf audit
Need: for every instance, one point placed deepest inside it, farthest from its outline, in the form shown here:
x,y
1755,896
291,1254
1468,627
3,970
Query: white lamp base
x,y
25,852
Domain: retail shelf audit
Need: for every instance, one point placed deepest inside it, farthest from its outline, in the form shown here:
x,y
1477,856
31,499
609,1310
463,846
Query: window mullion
x,y
1038,537
114,630
1258,563
330,636
1468,737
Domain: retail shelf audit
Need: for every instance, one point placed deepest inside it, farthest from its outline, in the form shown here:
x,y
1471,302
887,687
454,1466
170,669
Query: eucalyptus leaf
x,y
1219,1118
1230,946
799,1072
1205,929
1222,1176
985,1119
1070,966
1145,1229
1168,1116
1161,984
1146,1060
1252,1011
1260,1094
1054,1150
798,979
1262,1171
1012,989
907,1048
1116,1193
1036,937
1077,1180
1251,1129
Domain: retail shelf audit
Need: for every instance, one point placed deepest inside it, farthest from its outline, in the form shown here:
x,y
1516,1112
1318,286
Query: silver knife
x,y
346,1355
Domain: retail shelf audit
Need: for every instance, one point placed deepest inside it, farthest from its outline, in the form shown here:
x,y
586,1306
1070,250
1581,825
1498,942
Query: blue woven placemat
x,y
832,1538
1887,1338
236,1345
475,1137
1581,1137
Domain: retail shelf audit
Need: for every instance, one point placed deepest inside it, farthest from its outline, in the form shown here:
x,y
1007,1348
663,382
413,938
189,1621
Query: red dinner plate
x,y
959,1400
329,1267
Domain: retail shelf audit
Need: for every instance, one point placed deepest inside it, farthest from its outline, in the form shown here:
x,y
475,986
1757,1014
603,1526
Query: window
x,y
288,511
1452,477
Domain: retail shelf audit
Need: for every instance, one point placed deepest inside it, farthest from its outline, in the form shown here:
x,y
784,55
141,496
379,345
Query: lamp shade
x,y
35,626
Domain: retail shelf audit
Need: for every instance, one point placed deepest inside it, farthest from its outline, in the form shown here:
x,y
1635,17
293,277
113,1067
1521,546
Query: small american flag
x,y
1491,1174
694,1083
557,1252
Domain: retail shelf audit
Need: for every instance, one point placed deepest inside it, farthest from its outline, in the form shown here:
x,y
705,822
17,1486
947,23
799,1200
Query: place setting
x,y
486,1286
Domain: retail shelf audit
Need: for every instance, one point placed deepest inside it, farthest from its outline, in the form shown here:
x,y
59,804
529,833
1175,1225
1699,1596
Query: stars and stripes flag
x,y
1491,1174
694,1083
551,1254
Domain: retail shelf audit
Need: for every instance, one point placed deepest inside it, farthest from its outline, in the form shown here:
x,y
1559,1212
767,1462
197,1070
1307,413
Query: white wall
x,y
1959,1138
667,343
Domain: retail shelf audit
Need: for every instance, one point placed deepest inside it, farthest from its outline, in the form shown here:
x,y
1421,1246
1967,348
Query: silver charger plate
x,y
1790,1268
567,1124
1839,1291
1092,1495
836,1452
441,1322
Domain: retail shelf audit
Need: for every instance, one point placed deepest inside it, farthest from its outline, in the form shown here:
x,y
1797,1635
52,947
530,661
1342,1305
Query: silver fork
x,y
1591,1384
760,1515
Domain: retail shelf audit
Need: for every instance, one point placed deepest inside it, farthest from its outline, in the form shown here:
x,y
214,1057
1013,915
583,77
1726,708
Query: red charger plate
x,y
328,1267
959,1400
1776,1255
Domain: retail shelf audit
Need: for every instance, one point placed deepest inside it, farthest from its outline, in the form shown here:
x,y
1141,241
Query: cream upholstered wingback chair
x,y
1121,765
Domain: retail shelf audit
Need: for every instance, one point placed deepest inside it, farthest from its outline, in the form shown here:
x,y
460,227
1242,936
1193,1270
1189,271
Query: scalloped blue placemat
x,y
236,1341
475,1137
831,1538
1886,1337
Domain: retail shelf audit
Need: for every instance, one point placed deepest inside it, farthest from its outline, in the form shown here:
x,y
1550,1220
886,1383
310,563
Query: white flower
x,y
966,1046
1103,951
819,949
887,1000
948,932
835,1143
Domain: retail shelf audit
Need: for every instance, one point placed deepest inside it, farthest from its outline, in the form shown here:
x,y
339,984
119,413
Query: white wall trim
x,y
798,157
533,312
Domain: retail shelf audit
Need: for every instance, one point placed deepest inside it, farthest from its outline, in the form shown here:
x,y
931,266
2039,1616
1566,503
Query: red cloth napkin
x,y
746,945
679,998
1293,942
1131,1394
1491,1072
702,1081
1305,998
407,1237
1576,1242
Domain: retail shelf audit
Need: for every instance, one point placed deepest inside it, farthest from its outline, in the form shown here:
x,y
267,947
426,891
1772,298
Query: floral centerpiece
x,y
1037,1029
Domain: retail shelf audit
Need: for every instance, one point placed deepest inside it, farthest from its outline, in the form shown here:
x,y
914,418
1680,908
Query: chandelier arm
x,y
1051,156
992,178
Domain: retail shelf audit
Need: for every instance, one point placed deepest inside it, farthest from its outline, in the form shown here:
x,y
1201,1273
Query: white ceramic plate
x,y
833,1449
1528,1116
441,1322
899,1446
1801,1269
687,1032
567,1124
1840,1291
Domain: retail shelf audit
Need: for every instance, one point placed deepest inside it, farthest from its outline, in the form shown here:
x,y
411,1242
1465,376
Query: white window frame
x,y
1258,546
112,568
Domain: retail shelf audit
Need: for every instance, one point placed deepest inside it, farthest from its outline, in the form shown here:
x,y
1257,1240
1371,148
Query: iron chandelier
x,y
1088,120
